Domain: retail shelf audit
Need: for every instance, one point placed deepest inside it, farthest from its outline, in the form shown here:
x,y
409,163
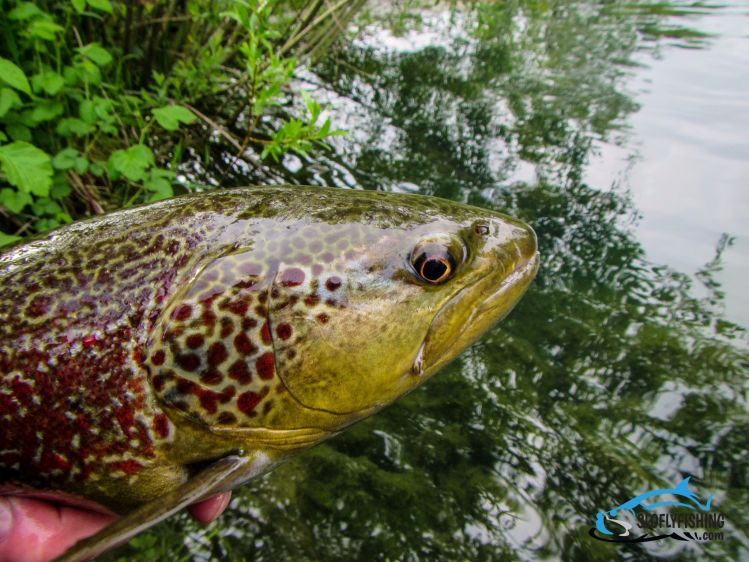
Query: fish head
x,y
413,282
332,304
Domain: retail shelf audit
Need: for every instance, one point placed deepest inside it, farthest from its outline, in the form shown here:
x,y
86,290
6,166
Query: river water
x,y
619,131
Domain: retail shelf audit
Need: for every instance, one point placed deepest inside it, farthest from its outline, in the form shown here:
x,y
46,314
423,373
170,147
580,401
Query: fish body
x,y
138,347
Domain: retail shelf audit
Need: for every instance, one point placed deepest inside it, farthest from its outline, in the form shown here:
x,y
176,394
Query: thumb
x,y
33,530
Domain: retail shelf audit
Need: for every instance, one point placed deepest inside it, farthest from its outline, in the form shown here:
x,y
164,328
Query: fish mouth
x,y
438,350
522,275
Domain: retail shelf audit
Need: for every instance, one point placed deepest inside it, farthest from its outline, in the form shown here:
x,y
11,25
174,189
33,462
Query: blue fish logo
x,y
685,498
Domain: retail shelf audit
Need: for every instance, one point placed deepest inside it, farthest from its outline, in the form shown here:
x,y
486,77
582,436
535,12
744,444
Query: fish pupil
x,y
434,269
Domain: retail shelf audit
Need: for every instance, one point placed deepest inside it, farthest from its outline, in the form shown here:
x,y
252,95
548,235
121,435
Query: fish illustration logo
x,y
611,527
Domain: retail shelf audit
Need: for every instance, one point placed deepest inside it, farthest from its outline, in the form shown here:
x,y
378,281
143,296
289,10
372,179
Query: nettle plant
x,y
99,99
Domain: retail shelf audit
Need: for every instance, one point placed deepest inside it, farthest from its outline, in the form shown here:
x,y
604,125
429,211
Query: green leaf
x,y
96,53
49,81
159,183
8,100
26,167
3,137
44,29
60,187
103,5
87,111
79,5
6,239
43,225
24,11
46,206
18,132
14,76
73,126
46,111
14,200
171,116
132,162
65,159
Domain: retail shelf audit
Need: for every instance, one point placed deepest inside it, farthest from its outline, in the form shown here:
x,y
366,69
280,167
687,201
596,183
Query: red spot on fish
x,y
188,361
90,341
327,257
284,331
39,306
217,354
239,307
209,318
291,353
125,417
128,467
182,312
211,376
247,402
311,300
161,425
248,323
265,366
158,357
323,318
317,269
240,372
53,461
209,401
292,277
243,344
227,327
265,333
193,341
333,283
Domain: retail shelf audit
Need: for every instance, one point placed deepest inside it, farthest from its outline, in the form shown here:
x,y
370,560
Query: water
x,y
618,130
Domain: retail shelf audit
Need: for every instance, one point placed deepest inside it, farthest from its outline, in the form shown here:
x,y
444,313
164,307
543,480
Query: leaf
x,y
96,53
60,187
24,11
79,5
87,111
6,239
14,200
103,5
46,111
26,167
50,82
171,116
132,162
65,159
159,183
18,132
8,100
14,76
44,29
73,126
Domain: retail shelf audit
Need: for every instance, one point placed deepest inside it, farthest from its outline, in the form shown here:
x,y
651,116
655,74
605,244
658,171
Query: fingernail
x,y
6,518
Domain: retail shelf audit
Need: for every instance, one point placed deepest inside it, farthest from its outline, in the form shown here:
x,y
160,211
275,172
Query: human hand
x,y
34,530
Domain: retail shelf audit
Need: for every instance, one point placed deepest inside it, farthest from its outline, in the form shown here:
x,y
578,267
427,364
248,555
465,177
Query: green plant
x,y
101,101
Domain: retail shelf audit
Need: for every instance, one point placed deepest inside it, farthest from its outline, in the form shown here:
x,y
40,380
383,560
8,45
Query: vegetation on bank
x,y
102,102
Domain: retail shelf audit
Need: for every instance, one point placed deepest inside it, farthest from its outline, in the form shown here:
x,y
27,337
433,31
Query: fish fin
x,y
220,476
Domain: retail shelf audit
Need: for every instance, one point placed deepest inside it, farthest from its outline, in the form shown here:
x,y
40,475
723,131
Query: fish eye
x,y
434,263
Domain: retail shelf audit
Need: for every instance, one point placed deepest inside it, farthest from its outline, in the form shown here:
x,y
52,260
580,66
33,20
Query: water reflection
x,y
610,378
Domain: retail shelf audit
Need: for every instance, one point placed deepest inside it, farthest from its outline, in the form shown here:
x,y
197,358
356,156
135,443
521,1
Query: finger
x,y
33,530
207,510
